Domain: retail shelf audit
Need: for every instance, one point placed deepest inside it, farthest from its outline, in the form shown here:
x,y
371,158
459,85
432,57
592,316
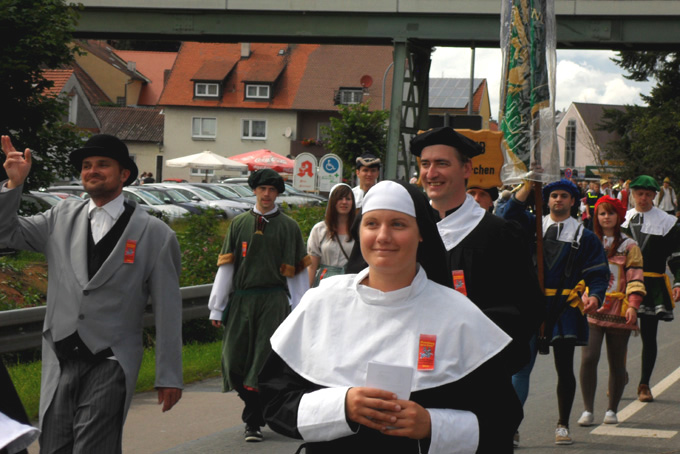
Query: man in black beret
x,y
368,170
106,260
260,276
477,241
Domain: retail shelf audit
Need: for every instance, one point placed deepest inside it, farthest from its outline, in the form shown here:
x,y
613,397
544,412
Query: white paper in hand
x,y
397,379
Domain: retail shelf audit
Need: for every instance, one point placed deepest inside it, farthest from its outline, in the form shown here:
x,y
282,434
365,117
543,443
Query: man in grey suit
x,y
106,258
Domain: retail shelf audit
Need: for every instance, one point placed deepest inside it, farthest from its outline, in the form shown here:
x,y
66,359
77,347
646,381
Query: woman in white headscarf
x,y
401,314
330,241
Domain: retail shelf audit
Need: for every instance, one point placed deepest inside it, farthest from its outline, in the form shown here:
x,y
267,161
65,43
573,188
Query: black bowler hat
x,y
445,135
108,146
266,177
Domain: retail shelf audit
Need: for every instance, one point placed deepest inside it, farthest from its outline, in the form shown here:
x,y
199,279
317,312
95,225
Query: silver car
x,y
145,198
230,207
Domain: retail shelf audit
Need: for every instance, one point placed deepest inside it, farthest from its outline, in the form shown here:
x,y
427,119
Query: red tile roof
x,y
179,90
330,67
214,70
59,77
94,93
154,66
135,124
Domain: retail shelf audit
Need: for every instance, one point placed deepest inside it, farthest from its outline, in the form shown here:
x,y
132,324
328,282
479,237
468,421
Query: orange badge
x,y
129,254
244,248
426,348
459,281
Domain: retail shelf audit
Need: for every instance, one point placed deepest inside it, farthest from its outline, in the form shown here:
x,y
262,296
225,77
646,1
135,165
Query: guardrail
x,y
21,329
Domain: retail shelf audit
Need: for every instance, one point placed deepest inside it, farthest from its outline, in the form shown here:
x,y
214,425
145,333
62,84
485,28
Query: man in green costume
x,y
658,235
261,276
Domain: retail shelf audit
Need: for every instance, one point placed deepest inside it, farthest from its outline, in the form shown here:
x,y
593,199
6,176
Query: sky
x,y
582,75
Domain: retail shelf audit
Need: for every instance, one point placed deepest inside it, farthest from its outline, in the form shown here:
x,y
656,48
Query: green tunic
x,y
265,250
656,250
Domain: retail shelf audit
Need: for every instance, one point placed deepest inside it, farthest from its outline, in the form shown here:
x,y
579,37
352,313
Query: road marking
x,y
634,407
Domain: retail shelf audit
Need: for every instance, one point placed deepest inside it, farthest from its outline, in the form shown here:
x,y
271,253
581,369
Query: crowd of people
x,y
396,274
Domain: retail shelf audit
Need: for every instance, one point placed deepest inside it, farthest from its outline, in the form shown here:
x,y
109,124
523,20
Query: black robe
x,y
493,401
501,280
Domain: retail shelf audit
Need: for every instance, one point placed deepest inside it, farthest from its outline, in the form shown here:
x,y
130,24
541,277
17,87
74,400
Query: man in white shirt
x,y
106,259
666,200
368,170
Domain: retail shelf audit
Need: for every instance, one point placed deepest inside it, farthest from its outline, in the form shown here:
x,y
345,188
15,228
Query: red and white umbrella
x,y
265,159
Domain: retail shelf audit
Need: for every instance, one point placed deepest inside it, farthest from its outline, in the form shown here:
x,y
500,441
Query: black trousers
x,y
86,412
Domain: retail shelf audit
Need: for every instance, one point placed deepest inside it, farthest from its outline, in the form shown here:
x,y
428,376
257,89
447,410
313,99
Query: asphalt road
x,y
207,421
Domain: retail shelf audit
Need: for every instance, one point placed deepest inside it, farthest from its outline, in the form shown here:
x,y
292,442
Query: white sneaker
x,y
586,419
562,436
610,417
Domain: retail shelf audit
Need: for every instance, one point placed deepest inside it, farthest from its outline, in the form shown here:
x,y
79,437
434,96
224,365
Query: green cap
x,y
645,182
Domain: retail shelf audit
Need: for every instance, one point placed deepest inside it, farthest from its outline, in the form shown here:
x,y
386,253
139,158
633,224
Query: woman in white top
x,y
330,241
401,314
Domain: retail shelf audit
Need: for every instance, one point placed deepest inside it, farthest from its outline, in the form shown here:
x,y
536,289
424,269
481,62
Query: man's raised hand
x,y
17,164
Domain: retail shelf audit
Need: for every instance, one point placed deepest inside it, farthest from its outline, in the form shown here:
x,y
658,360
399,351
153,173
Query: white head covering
x,y
336,187
388,195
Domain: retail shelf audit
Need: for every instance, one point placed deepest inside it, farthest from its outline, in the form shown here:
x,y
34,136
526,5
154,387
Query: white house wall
x,y
584,141
178,139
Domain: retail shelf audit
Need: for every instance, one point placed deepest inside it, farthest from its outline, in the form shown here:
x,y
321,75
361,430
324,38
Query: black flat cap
x,y
266,177
445,135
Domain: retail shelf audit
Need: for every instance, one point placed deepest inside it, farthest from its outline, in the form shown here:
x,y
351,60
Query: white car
x,y
230,207
145,198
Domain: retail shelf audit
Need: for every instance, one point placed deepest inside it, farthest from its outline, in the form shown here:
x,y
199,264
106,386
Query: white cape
x,y
341,326
455,227
654,221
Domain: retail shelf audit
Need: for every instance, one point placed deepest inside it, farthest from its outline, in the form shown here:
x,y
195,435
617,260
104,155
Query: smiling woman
x,y
391,316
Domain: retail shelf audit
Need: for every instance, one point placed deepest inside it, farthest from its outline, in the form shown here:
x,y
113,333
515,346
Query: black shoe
x,y
253,434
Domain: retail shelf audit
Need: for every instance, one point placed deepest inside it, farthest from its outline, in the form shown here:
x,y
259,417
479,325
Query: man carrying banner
x,y
474,239
571,254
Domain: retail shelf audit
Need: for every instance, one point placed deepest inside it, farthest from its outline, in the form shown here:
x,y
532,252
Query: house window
x,y
120,100
205,90
73,109
201,172
257,91
348,96
570,144
254,129
204,128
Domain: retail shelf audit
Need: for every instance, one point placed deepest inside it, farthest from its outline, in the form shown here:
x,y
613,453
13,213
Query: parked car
x,y
290,189
35,202
285,196
76,190
227,193
145,198
174,197
196,194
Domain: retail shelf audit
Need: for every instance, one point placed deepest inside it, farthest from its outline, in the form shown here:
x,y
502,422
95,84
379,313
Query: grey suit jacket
x,y
107,310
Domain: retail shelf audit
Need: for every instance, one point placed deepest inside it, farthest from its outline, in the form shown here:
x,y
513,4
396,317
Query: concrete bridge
x,y
581,24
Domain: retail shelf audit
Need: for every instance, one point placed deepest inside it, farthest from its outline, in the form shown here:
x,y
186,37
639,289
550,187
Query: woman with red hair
x,y
618,315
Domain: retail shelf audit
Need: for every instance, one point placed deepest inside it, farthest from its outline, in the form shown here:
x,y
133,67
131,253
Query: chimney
x,y
245,50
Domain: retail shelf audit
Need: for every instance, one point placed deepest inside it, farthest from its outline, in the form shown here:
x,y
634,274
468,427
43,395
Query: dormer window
x,y
347,96
256,91
206,90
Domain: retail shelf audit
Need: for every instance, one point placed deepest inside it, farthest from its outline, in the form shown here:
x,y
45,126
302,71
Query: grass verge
x,y
200,361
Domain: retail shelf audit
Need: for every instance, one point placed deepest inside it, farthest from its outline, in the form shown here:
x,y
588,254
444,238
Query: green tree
x,y
650,135
355,132
36,35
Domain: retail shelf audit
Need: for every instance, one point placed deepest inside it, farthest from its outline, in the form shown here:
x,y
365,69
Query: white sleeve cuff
x,y
217,303
321,415
453,431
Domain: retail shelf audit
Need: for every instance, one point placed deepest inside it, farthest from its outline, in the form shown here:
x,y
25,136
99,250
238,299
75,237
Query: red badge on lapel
x,y
130,248
459,281
244,248
428,342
